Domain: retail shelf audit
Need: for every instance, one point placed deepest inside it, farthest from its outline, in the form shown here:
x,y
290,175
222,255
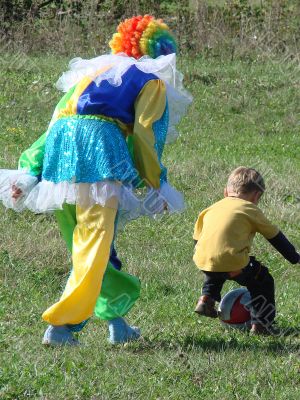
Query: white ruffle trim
x,y
164,67
47,196
178,105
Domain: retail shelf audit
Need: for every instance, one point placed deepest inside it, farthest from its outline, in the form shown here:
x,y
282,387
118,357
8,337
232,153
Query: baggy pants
x,y
93,282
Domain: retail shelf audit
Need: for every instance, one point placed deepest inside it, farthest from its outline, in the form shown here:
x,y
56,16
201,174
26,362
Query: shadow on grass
x,y
280,345
293,331
270,344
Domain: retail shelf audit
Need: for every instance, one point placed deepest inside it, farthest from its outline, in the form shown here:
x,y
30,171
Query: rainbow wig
x,y
143,35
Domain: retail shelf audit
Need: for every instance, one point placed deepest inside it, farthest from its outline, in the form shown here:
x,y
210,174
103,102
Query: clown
x,y
98,165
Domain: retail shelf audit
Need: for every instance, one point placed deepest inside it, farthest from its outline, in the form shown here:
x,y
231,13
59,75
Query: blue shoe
x,y
121,332
59,336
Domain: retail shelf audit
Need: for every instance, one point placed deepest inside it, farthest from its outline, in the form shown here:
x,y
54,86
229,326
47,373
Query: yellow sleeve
x,y
198,226
149,107
262,225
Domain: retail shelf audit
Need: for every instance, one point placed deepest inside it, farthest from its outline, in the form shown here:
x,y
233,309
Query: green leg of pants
x,y
119,291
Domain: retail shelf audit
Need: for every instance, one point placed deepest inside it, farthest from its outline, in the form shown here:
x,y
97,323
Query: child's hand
x,y
16,193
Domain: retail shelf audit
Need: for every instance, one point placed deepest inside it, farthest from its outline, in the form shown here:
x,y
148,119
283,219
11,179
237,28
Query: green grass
x,y
244,113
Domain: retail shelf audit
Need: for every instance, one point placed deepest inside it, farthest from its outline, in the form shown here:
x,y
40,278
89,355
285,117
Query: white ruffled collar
x,y
164,67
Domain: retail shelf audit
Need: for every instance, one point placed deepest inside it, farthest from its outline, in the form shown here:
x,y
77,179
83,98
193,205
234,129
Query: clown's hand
x,y
16,193
162,200
15,186
154,203
22,185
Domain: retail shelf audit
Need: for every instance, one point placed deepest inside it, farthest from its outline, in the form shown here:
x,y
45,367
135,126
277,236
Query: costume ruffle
x,y
178,105
164,67
47,196
22,181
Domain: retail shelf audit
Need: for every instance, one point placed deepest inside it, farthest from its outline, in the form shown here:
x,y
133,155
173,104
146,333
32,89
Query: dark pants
x,y
257,280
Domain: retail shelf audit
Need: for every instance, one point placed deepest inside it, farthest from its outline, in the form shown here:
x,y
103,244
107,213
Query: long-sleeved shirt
x,y
224,233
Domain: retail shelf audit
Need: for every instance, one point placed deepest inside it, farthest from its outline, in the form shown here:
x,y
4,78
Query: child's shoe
x,y
59,336
121,332
259,329
206,307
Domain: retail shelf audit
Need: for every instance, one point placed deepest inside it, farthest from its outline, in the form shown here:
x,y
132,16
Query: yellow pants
x,y
92,240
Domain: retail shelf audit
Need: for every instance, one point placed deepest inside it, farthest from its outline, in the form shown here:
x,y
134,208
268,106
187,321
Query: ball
x,y
234,309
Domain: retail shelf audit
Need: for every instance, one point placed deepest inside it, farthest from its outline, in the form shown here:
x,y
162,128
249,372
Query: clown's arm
x,y
31,163
149,135
16,184
31,160
149,108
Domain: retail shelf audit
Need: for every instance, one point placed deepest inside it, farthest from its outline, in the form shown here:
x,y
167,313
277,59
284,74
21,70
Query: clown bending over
x,y
103,145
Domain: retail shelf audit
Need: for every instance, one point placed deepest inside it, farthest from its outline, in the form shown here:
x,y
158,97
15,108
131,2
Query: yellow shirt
x,y
225,233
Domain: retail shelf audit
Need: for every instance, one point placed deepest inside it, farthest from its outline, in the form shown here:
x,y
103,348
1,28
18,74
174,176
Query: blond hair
x,y
245,180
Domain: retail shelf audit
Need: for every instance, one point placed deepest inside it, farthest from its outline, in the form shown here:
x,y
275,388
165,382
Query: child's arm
x,y
273,235
285,248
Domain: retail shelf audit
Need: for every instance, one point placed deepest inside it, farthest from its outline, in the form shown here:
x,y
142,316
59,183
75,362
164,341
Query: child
x,y
224,233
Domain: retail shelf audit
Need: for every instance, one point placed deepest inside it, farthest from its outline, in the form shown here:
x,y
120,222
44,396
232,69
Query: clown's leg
x,y
121,332
92,239
66,220
119,292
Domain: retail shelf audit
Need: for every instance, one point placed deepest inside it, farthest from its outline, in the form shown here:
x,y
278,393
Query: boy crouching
x,y
224,233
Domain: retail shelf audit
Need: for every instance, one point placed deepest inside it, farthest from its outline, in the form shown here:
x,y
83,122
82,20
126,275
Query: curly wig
x,y
143,35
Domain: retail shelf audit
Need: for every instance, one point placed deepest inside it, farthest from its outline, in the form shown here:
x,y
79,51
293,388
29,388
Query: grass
x,y
244,113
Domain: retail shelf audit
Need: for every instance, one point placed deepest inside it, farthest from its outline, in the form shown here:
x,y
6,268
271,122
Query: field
x,y
244,113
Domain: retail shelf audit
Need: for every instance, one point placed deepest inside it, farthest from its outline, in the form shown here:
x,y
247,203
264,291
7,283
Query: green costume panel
x,y
32,159
119,293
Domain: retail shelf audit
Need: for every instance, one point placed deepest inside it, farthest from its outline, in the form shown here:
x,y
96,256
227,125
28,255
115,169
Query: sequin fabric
x,y
160,129
87,150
